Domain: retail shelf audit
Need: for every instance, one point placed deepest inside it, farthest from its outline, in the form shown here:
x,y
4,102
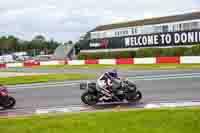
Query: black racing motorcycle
x,y
127,91
6,101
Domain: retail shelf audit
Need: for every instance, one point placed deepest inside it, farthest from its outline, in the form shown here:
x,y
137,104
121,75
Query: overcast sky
x,y
65,20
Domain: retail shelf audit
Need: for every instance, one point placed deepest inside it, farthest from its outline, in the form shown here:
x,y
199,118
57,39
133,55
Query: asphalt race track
x,y
67,93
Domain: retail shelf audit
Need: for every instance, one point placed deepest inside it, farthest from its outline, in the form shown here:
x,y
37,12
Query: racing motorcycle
x,y
127,91
6,101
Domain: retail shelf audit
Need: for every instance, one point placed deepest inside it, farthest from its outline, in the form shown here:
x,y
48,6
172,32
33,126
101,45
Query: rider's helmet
x,y
113,73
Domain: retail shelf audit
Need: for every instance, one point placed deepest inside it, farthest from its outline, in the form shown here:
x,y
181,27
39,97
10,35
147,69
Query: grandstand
x,y
168,31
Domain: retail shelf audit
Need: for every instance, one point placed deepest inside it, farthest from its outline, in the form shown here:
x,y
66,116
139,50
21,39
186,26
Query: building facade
x,y
178,30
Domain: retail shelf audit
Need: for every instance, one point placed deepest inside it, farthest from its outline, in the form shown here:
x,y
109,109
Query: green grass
x,y
139,121
44,78
136,66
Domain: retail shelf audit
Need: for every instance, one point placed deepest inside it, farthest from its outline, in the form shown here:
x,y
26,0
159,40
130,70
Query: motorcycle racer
x,y
109,88
108,83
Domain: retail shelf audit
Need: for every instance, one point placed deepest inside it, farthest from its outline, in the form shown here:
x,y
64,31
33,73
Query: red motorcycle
x,y
6,101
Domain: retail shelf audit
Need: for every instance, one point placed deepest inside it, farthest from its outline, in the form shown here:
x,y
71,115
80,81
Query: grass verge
x,y
139,121
44,78
129,67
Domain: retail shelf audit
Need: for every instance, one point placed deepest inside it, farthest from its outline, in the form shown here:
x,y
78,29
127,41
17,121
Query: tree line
x,y
10,44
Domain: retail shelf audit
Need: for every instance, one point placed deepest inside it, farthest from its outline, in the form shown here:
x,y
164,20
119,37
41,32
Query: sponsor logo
x,y
102,44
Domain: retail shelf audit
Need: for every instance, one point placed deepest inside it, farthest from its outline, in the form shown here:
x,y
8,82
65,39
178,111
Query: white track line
x,y
172,104
61,109
43,86
145,106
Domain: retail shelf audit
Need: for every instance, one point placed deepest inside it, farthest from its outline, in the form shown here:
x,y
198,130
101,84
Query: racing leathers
x,y
107,84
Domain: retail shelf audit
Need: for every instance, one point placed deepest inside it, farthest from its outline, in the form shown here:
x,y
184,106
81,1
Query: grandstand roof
x,y
150,21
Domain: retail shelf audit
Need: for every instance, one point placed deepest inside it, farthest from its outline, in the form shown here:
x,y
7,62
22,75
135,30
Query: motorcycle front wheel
x,y
89,99
9,103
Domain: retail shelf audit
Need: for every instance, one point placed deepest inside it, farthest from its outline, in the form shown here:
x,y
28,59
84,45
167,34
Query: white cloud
x,y
67,19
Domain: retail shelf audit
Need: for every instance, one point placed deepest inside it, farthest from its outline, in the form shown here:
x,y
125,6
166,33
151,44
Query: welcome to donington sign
x,y
148,40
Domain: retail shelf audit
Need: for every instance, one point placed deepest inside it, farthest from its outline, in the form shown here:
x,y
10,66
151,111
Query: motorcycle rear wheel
x,y
9,103
89,99
137,97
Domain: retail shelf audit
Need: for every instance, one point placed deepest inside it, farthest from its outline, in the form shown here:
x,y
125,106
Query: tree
x,y
8,44
3,43
39,38
70,42
12,43
35,46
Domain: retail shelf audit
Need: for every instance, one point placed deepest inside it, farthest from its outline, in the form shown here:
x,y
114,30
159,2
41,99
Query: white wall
x,y
107,61
189,59
144,60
